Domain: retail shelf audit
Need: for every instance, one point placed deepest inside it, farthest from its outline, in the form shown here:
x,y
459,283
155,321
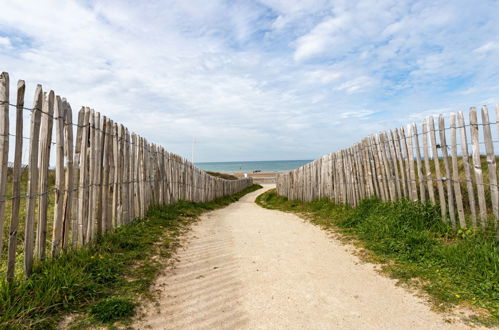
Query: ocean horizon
x,y
250,166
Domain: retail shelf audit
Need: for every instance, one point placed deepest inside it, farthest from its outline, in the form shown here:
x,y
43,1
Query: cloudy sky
x,y
256,80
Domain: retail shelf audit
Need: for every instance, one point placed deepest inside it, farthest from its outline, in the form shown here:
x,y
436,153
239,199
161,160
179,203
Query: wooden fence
x,y
426,164
104,177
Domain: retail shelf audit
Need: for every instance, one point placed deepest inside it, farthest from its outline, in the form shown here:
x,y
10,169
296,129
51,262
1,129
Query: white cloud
x,y
360,114
323,37
488,47
356,85
5,42
324,76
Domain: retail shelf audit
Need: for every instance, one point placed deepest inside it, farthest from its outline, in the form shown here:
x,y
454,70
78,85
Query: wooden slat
x,y
396,173
163,175
70,177
4,147
111,187
131,176
164,171
44,162
121,176
372,166
100,167
419,167
136,177
169,185
367,171
99,128
126,166
383,140
379,169
410,161
403,173
29,226
75,227
477,167
348,175
346,178
409,164
466,166
142,177
105,176
16,184
427,171
455,171
83,179
361,172
90,220
436,160
353,178
343,185
116,178
60,186
491,162
447,173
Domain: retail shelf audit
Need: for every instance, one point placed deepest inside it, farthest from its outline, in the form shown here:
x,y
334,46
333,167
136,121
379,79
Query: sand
x,y
245,267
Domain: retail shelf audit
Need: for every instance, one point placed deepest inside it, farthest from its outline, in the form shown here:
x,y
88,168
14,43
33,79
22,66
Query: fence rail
x,y
425,164
104,177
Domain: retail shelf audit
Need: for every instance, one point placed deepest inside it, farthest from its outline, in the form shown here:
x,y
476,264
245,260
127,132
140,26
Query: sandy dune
x,y
245,267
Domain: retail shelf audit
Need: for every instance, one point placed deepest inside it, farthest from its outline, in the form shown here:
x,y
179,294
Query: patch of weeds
x,y
112,309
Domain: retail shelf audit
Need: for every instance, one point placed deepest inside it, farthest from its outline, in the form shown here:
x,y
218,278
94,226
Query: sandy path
x,y
246,267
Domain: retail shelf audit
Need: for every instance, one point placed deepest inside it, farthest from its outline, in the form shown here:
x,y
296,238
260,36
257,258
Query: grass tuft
x,y
113,309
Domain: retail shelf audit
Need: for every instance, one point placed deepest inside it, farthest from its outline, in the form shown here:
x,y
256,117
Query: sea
x,y
250,166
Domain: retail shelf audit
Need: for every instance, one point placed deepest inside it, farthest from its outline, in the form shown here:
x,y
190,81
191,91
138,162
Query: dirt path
x,y
252,268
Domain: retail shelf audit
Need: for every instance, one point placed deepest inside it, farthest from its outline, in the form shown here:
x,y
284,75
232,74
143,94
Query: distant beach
x,y
250,166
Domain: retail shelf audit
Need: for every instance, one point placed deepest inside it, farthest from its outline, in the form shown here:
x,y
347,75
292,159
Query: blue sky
x,y
257,80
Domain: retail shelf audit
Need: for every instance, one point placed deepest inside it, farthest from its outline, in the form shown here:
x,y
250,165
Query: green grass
x,y
102,283
414,246
113,309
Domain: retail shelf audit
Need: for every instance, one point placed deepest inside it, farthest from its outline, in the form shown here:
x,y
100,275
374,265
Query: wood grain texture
x,y
4,147
57,229
491,162
29,227
43,164
447,172
438,174
455,171
16,184
466,167
477,167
